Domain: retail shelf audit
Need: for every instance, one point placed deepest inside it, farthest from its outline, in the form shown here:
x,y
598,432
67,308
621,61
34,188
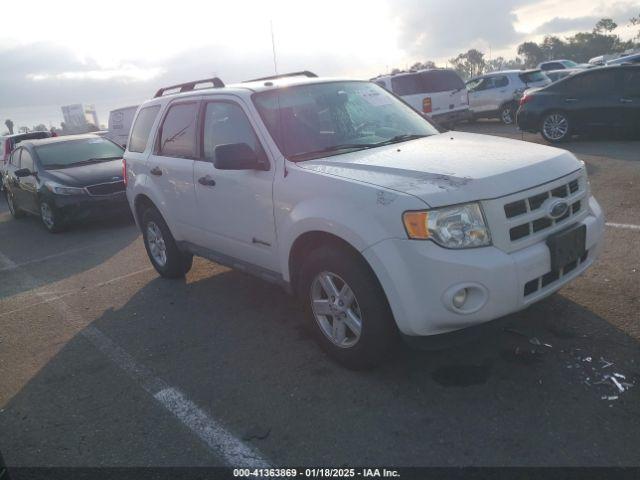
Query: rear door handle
x,y
207,181
156,171
626,100
570,100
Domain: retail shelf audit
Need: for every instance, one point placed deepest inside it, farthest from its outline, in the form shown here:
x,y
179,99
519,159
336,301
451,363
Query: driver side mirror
x,y
238,156
23,172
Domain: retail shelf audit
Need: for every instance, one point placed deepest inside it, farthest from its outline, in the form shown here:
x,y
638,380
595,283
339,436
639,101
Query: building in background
x,y
79,118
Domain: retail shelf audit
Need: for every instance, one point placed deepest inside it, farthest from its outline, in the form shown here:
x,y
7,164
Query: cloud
x,y
434,29
560,25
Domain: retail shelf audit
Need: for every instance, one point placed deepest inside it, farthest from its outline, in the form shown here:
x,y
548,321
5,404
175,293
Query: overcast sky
x,y
117,53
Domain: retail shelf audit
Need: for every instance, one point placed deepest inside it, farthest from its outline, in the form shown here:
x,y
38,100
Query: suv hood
x,y
452,167
85,175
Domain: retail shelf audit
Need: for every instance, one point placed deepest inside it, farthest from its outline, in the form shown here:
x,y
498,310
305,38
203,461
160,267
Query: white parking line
x,y
626,226
233,451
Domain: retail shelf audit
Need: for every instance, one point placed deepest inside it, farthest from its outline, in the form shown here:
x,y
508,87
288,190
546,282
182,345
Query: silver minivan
x,y
495,94
438,93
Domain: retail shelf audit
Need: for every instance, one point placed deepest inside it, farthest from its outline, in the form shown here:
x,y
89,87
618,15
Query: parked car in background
x,y
603,99
494,95
9,142
120,121
635,58
561,65
350,199
65,179
555,75
438,93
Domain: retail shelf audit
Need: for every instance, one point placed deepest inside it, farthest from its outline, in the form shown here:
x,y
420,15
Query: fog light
x,y
459,298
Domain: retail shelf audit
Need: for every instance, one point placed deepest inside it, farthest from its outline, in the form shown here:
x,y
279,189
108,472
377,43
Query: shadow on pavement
x,y
237,348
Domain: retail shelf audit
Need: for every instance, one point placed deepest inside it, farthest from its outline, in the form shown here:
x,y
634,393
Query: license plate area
x,y
567,246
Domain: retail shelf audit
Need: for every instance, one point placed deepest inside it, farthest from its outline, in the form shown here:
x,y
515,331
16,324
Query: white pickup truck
x,y
350,199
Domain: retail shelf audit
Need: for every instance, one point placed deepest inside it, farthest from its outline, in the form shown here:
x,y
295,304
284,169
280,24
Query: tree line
x,y
579,47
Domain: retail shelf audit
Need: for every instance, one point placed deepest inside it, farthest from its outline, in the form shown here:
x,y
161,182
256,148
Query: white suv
x,y
350,199
495,94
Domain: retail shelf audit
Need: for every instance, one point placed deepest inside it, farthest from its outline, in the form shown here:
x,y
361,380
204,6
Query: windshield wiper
x,y
399,138
334,148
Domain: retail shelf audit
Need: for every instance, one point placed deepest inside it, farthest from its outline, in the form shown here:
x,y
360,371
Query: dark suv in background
x,y
605,99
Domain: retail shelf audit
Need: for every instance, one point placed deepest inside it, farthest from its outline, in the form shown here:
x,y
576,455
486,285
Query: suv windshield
x,y
533,76
77,152
569,63
310,121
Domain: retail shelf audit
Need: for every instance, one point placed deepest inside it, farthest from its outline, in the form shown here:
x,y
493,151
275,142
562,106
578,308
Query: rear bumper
x,y
77,208
527,120
420,279
452,117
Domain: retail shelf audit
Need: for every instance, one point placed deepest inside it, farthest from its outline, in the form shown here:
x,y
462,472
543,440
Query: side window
x,y
15,158
178,133
406,85
591,83
631,83
225,123
500,82
26,161
142,128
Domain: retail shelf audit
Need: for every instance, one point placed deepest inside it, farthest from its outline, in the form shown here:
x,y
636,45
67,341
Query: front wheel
x,y
50,218
161,247
555,127
347,308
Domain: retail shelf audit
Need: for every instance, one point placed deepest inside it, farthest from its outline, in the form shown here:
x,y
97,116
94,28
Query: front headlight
x,y
62,190
460,226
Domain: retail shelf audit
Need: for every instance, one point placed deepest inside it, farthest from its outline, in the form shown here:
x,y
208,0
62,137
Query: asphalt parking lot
x,y
103,363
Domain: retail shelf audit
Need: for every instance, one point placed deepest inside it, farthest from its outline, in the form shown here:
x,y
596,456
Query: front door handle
x,y
207,181
156,171
626,100
570,100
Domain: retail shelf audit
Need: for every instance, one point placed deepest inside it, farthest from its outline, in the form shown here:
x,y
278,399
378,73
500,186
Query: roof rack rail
x,y
303,73
188,86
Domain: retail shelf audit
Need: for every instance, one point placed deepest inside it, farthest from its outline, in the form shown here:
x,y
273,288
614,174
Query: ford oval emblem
x,y
557,209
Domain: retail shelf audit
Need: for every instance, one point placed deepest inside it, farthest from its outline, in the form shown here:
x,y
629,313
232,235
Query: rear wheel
x,y
555,127
346,308
161,247
508,114
13,208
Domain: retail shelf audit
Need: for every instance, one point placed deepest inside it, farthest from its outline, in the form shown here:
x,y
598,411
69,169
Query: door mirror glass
x,y
237,156
22,172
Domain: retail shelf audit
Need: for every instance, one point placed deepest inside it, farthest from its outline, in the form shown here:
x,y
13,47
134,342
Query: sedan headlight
x,y
460,226
62,190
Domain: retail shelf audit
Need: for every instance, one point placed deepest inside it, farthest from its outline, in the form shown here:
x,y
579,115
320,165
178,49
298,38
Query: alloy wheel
x,y
156,244
506,116
555,126
47,215
336,310
11,205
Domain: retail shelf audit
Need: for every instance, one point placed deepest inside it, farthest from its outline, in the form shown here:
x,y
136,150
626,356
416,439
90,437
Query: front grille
x,y
549,278
534,219
106,188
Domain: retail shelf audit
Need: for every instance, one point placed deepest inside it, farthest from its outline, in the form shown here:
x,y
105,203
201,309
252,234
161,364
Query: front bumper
x,y
75,208
420,277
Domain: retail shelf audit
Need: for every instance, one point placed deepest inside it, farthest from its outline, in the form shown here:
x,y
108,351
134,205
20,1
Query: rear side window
x,y
536,76
501,81
142,128
178,134
433,81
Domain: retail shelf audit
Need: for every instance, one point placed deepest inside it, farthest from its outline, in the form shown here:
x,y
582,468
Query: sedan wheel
x,y
555,127
506,115
336,309
13,209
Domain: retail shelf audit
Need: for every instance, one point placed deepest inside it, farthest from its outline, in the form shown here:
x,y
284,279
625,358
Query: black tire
x,y
55,223
547,134
177,263
379,334
13,208
507,114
